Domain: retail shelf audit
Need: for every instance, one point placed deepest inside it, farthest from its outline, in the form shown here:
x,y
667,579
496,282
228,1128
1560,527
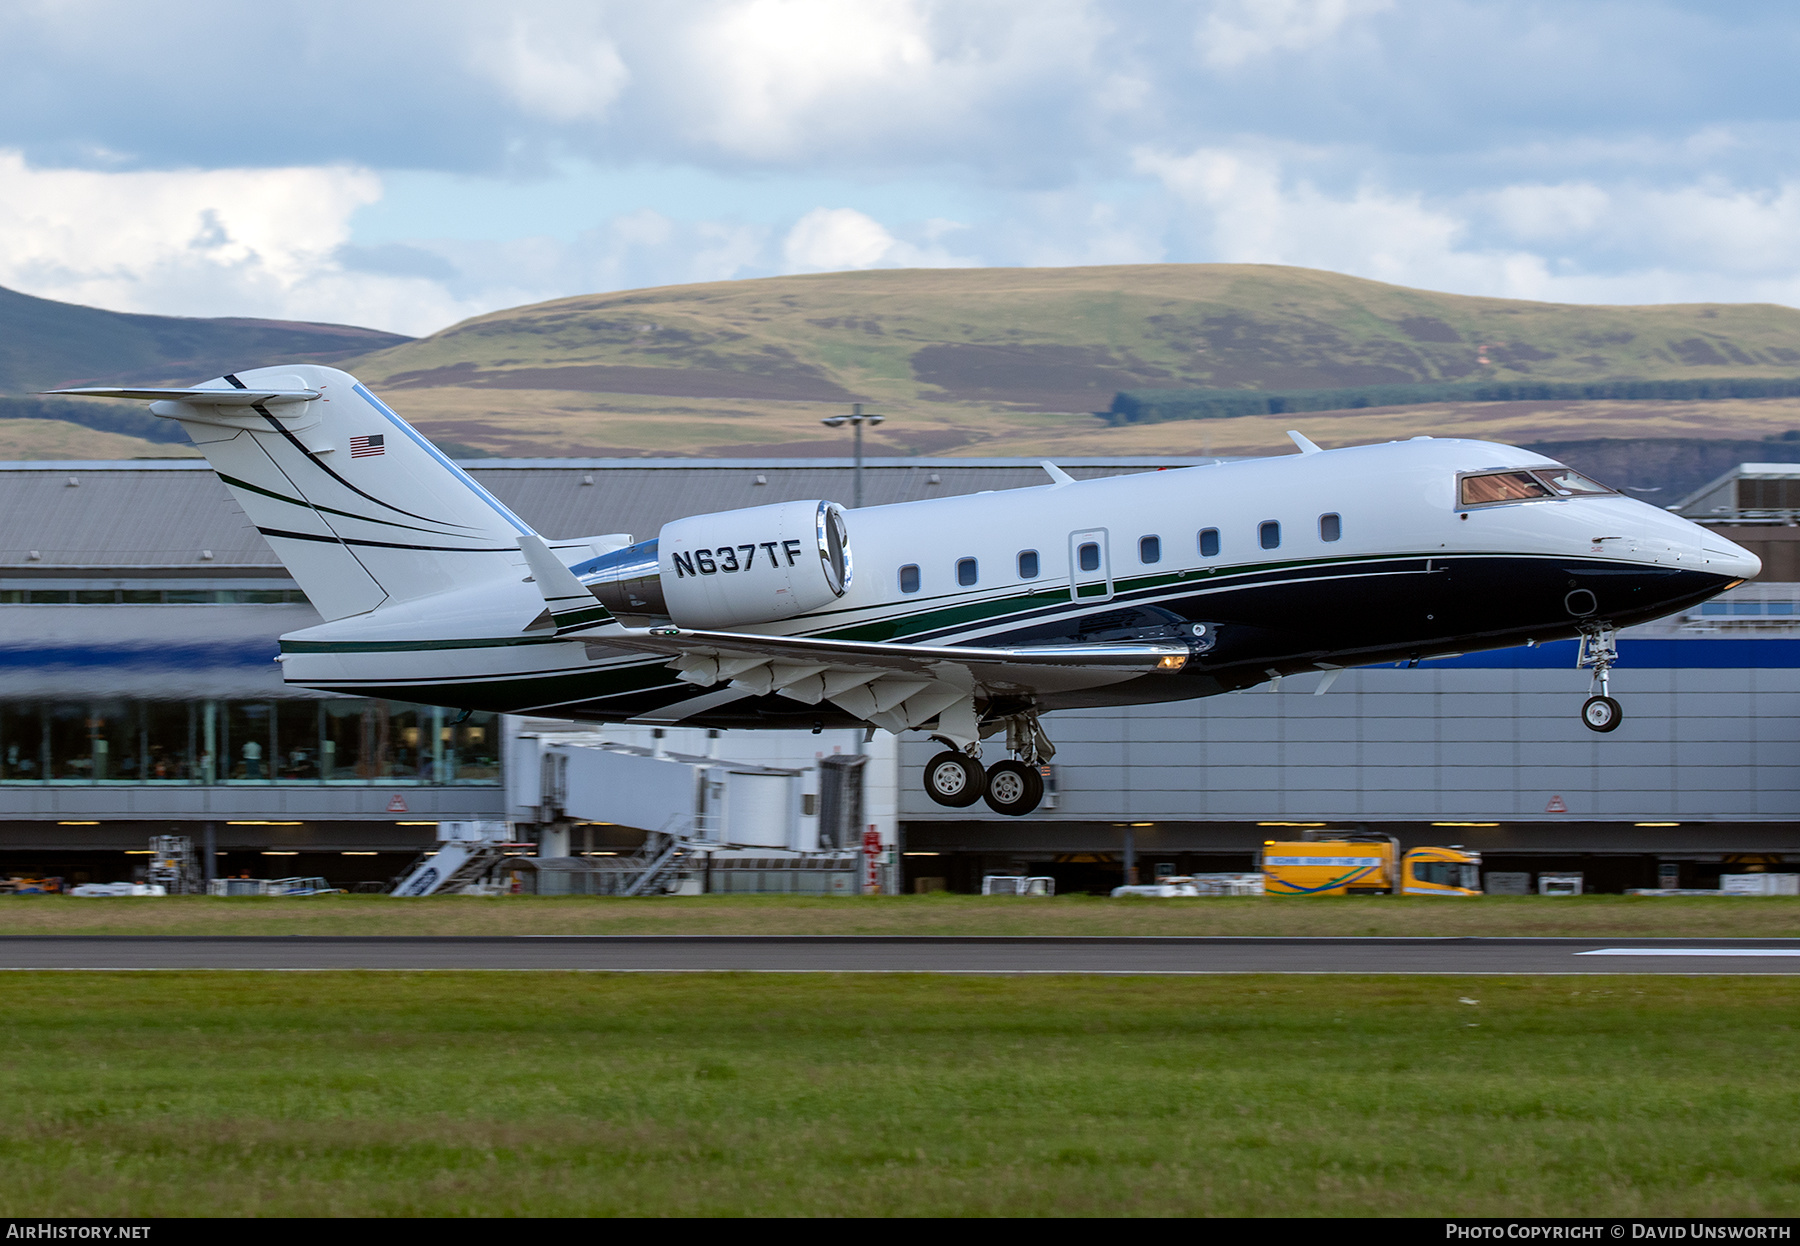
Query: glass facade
x,y
151,596
340,741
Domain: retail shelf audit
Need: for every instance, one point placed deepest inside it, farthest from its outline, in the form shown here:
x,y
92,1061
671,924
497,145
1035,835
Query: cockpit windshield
x,y
1571,483
1490,488
1502,487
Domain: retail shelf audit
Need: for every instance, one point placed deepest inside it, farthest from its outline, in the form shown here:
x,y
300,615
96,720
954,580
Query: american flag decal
x,y
362,447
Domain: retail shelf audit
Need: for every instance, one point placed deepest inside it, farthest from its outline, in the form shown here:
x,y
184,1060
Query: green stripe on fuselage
x,y
916,622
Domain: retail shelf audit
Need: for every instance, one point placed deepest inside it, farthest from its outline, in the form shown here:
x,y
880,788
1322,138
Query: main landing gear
x,y
1599,650
1014,787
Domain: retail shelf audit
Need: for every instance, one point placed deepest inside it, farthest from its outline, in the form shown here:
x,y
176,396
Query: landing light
x,y
1174,662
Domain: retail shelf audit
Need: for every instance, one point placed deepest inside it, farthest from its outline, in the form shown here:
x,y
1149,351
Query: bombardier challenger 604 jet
x,y
962,617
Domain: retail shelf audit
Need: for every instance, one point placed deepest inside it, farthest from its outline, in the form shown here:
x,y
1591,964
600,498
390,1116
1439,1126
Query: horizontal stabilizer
x,y
204,397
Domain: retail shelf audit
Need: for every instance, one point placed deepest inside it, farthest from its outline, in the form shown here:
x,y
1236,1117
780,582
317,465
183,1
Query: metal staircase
x,y
467,853
661,853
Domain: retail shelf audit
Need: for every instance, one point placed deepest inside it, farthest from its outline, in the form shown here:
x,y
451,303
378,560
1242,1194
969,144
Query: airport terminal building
x,y
140,611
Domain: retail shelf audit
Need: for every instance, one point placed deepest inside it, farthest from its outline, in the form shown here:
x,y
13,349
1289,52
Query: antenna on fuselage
x,y
1301,440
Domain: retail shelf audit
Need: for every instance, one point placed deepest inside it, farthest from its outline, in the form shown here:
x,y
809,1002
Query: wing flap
x,y
1165,657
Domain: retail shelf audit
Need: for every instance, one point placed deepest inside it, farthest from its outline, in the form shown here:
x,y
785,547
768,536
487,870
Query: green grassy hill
x,y
45,344
1014,360
1008,361
1067,339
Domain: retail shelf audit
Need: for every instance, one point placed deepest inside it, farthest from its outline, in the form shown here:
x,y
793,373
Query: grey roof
x,y
165,516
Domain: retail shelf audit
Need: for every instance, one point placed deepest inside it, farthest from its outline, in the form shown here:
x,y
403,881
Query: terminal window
x,y
335,741
151,597
1748,607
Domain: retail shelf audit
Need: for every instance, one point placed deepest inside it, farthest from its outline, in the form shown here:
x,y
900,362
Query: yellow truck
x,y
1362,863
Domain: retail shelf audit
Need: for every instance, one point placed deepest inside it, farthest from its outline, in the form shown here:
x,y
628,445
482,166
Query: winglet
x,y
1306,446
572,607
1057,474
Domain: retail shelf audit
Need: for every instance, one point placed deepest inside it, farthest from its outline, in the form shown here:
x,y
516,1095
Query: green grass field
x,y
573,1094
1536,916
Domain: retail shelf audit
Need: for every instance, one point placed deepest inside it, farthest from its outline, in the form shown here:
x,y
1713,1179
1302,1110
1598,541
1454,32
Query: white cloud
x,y
819,82
1237,31
554,68
827,239
1569,242
247,242
771,62
1250,213
834,239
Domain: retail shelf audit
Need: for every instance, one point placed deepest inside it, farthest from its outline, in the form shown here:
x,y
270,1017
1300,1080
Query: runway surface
x,y
981,955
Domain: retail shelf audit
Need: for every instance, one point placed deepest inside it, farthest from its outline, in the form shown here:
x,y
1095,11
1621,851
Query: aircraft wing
x,y
897,686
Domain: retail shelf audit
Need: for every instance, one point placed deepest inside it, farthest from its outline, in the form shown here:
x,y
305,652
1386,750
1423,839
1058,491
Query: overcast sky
x,y
405,165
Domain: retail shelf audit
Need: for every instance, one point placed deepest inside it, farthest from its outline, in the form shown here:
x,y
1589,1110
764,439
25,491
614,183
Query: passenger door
x,y
1090,566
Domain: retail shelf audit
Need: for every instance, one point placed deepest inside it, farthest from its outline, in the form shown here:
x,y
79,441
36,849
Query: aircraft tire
x,y
954,779
1601,714
1013,788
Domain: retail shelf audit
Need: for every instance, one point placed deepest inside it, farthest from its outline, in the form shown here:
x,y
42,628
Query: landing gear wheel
x,y
1601,714
955,779
1013,788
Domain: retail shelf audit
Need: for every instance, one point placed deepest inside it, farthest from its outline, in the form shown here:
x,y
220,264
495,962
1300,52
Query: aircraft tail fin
x,y
362,509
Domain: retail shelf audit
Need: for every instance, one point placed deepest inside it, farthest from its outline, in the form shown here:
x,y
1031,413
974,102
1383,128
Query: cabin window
x,y
1087,556
909,578
1502,487
1330,527
965,571
1149,549
1028,564
1269,533
1209,542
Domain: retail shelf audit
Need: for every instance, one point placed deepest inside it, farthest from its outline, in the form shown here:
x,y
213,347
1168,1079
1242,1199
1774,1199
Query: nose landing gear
x,y
1599,650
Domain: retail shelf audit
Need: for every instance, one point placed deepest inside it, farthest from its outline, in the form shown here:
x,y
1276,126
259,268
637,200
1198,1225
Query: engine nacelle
x,y
756,565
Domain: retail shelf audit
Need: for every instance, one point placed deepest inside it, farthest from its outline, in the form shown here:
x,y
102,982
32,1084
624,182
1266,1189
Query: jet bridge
x,y
707,802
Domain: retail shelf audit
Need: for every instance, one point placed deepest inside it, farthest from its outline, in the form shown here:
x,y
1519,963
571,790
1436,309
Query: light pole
x,y
856,419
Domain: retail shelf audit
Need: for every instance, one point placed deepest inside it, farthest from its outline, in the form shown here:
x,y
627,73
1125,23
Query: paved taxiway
x,y
828,954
